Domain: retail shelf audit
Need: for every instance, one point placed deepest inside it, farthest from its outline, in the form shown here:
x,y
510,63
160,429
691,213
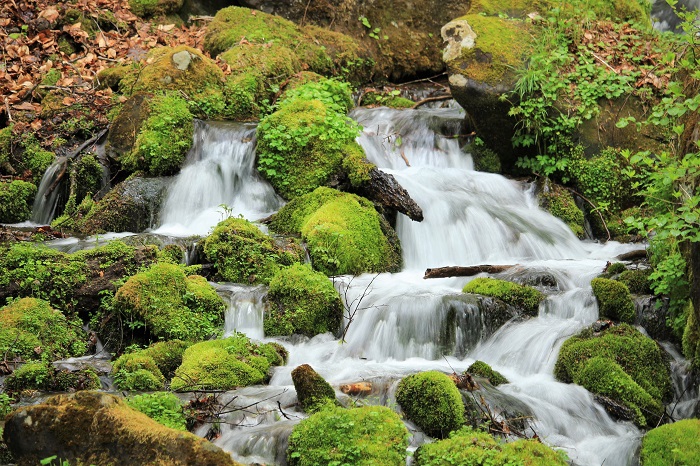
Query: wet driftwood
x,y
456,271
383,189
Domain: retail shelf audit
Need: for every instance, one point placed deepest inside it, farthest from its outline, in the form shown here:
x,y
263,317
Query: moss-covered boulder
x,y
432,401
620,363
167,355
524,297
241,253
169,304
16,199
467,446
366,435
343,232
45,377
675,443
302,301
31,329
636,280
147,8
481,369
137,371
132,205
614,300
225,364
313,392
560,202
97,428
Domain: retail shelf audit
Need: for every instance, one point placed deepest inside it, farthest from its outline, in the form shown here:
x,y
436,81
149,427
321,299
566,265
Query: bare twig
x,y
432,99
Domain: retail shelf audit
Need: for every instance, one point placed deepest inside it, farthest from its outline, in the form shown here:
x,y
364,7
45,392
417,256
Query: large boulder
x,y
97,428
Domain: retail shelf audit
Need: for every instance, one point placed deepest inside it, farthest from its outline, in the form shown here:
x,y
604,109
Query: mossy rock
x,y
129,206
42,376
30,329
675,443
467,446
614,300
481,369
241,253
523,297
343,232
638,370
5,148
225,364
313,392
385,99
560,202
636,280
170,304
302,301
691,336
432,401
167,355
366,435
148,8
16,200
137,371
97,428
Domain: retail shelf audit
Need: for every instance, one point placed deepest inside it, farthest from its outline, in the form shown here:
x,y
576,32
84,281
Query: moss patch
x,y
145,8
301,301
31,329
242,253
343,232
42,376
16,199
467,446
170,304
614,300
633,363
313,392
675,443
524,297
225,364
432,401
137,371
367,435
481,369
559,202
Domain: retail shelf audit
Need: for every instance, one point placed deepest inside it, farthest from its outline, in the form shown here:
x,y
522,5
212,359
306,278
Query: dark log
x,y
456,271
383,189
633,255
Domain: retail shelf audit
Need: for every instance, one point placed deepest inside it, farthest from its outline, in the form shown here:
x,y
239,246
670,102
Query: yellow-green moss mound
x,y
675,443
313,392
614,300
97,428
225,364
368,435
169,304
31,329
431,400
622,364
481,369
302,301
520,296
471,447
16,199
242,253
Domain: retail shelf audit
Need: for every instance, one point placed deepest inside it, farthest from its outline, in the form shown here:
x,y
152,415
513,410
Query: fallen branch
x,y
87,143
456,271
633,255
432,99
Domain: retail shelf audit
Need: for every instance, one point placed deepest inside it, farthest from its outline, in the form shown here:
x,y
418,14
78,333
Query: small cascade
x,y
46,200
219,180
686,386
245,312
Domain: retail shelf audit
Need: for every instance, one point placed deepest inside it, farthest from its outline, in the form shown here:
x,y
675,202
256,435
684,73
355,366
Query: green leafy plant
x,y
163,407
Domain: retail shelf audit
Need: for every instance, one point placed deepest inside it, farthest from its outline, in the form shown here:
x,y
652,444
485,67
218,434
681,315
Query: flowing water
x,y
46,200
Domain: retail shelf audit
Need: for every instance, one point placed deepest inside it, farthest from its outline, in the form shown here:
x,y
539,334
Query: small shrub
x,y
163,407
16,200
367,435
431,400
614,300
524,297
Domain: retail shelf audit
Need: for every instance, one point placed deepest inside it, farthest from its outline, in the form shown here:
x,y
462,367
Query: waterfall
x,y
406,324
219,180
46,200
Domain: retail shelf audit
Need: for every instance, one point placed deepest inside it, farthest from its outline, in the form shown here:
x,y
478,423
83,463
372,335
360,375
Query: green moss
x,y
242,253
146,8
31,329
313,392
167,355
691,336
137,371
431,400
675,443
467,447
16,200
367,435
5,147
164,138
35,159
615,269
614,300
224,364
625,349
524,297
170,304
356,165
636,280
386,99
162,407
343,232
42,376
560,203
482,369
485,159
302,301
